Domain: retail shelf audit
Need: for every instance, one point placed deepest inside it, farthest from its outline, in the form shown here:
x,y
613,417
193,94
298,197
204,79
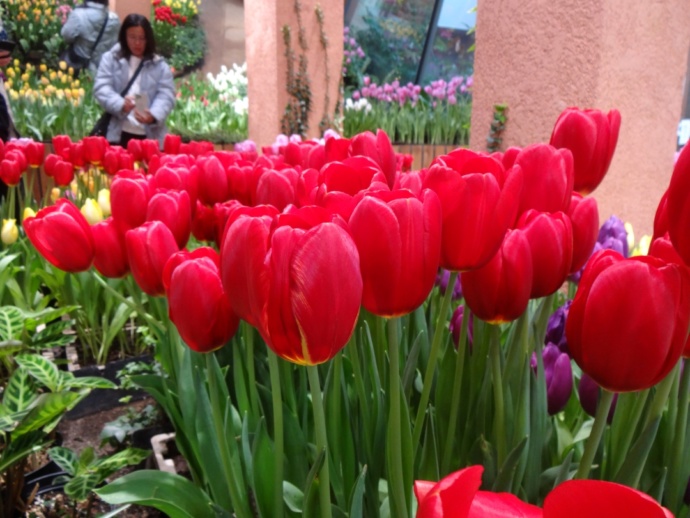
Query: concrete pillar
x,y
223,22
540,56
267,66
125,7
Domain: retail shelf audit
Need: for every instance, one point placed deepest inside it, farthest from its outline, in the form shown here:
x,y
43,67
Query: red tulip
x,y
479,204
10,171
148,249
183,256
35,153
18,156
379,149
204,223
591,136
110,253
277,188
628,323
94,149
149,149
76,154
578,498
62,235
457,496
171,144
61,145
337,149
550,237
111,161
176,177
584,218
299,283
135,149
227,213
398,236
500,290
49,164
174,209
661,217
129,199
548,177
678,205
63,173
199,307
243,181
212,181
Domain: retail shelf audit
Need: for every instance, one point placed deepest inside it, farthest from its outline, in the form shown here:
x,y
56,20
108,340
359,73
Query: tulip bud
x,y
558,374
456,325
28,213
54,194
104,201
9,233
92,211
442,280
555,328
590,393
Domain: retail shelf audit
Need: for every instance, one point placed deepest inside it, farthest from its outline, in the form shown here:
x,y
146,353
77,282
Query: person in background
x,y
7,128
83,27
141,112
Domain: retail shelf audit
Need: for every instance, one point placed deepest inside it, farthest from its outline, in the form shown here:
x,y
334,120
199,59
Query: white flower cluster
x,y
359,105
231,84
241,105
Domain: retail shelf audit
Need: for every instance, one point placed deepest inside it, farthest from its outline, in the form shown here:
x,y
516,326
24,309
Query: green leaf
x,y
91,382
311,492
65,458
356,505
43,370
20,392
172,494
507,470
114,512
11,323
49,408
128,457
80,486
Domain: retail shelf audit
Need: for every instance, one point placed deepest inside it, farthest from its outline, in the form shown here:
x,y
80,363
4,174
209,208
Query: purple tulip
x,y
456,326
442,279
612,235
559,377
555,329
590,393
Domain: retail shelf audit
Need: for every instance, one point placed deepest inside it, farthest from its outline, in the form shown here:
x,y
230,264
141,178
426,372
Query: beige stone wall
x,y
266,63
125,7
223,21
540,56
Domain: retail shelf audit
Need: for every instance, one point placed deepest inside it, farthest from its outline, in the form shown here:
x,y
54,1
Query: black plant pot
x,y
100,400
44,477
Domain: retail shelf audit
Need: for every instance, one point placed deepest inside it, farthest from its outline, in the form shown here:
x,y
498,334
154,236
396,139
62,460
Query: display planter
x,y
423,154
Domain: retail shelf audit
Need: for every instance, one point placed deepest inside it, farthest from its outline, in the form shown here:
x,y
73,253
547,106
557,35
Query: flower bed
x,y
310,366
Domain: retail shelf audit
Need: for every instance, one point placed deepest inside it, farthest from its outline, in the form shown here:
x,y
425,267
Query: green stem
x,y
396,477
455,397
499,405
278,436
595,435
248,333
431,364
240,505
621,452
321,439
676,483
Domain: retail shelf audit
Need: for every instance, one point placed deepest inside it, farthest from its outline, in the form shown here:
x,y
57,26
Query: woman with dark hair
x,y
139,111
91,29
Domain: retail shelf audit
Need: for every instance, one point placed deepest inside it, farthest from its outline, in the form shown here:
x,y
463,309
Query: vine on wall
x,y
296,117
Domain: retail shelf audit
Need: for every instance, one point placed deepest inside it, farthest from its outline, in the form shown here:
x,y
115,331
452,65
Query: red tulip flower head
x,y
591,136
148,249
578,498
62,235
61,145
35,153
377,147
199,307
398,236
297,278
174,209
500,290
10,171
479,202
628,322
111,255
548,177
171,144
678,205
584,219
94,149
129,199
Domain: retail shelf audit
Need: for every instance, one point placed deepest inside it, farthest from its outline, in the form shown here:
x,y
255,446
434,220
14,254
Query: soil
x,y
78,434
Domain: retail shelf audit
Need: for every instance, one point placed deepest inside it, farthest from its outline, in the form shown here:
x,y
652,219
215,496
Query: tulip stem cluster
x,y
594,438
321,439
499,410
439,330
278,426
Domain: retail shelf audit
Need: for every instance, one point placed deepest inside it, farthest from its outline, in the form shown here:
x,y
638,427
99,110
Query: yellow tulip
x,y
9,233
28,213
25,76
92,211
104,201
55,194
43,67
52,75
63,65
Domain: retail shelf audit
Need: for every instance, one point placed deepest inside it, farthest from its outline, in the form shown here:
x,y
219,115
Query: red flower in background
x,y
678,205
591,136
398,236
110,257
173,208
62,235
129,199
584,218
148,249
479,203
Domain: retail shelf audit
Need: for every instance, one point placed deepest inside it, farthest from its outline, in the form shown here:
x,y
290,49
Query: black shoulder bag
x,y
74,60
101,127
